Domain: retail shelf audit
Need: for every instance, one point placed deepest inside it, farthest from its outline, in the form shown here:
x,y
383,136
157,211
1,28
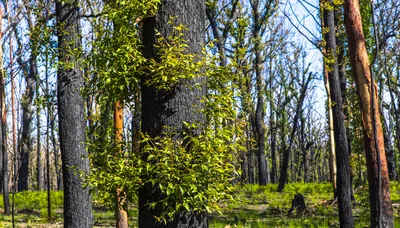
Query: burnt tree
x,y
72,128
163,109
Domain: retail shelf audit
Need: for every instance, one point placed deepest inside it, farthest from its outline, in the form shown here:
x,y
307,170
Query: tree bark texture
x,y
378,177
122,216
72,129
27,117
169,109
3,123
341,145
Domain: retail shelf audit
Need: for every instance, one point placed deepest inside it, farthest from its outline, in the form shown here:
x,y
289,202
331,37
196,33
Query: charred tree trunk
x,y
286,154
342,153
27,117
72,129
38,143
378,177
273,146
170,109
391,153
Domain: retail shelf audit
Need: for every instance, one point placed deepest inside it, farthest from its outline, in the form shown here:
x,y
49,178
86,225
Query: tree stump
x,y
298,204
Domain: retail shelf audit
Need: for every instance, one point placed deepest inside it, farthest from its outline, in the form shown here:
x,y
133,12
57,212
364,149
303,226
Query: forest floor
x,y
254,206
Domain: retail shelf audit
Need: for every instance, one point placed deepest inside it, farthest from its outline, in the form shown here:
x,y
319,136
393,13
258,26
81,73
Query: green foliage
x,y
116,60
175,62
36,202
193,171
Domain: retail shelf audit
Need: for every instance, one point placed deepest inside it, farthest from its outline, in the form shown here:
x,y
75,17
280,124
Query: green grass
x,y
254,206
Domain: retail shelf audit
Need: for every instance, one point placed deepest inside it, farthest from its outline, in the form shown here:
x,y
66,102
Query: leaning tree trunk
x,y
341,147
286,153
162,110
378,177
72,129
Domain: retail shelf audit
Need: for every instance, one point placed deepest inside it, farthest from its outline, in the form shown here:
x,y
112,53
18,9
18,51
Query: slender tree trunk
x,y
342,153
332,157
122,216
378,177
27,117
388,144
3,138
170,108
14,123
273,146
48,140
55,151
72,129
304,148
250,152
286,154
38,143
391,153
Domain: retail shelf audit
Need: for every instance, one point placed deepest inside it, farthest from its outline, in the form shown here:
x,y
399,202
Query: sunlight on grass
x,y
254,206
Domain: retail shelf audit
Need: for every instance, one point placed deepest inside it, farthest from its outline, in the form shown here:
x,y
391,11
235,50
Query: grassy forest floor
x,y
254,206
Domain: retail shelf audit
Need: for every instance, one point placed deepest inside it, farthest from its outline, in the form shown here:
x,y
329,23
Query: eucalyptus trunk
x,y
378,177
341,147
163,109
72,127
3,138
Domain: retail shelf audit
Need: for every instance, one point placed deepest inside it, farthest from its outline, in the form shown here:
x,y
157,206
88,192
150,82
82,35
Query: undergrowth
x,y
254,206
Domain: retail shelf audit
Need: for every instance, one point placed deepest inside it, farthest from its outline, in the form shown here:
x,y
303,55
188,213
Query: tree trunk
x,y
3,138
392,162
122,216
48,104
273,146
55,151
378,177
342,153
27,117
38,143
72,129
304,148
286,153
170,109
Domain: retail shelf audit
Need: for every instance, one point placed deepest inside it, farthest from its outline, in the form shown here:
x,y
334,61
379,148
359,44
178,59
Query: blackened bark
x,y
342,153
273,146
263,178
286,153
38,143
27,117
170,109
390,153
386,137
72,129
304,148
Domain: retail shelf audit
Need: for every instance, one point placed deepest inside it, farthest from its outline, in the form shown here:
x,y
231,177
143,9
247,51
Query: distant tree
x,y
3,138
